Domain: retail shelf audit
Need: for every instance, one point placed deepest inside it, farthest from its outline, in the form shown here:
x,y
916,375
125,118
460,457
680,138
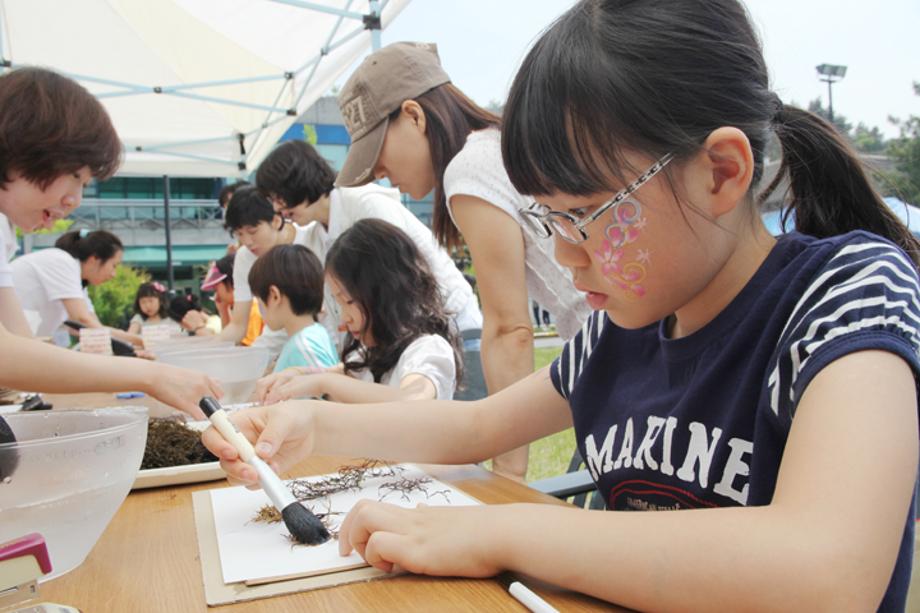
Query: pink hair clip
x,y
158,286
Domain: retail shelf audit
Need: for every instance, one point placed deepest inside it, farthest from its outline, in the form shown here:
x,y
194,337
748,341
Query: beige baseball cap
x,y
385,79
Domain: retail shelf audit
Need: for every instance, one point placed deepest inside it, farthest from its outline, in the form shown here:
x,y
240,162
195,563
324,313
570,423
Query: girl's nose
x,y
569,255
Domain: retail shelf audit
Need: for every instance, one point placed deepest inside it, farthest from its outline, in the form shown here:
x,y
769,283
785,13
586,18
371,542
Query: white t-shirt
x,y
478,171
7,250
428,355
43,279
348,205
310,236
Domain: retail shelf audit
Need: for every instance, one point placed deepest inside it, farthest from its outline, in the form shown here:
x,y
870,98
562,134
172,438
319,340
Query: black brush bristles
x,y
303,525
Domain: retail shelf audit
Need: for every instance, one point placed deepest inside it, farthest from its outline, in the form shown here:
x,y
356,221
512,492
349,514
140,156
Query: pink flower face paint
x,y
625,228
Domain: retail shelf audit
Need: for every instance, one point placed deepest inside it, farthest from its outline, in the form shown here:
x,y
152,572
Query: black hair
x,y
147,290
658,77
100,244
225,266
249,206
296,272
226,192
295,172
182,304
384,272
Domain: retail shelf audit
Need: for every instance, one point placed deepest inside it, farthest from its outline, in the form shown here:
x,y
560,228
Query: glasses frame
x,y
544,224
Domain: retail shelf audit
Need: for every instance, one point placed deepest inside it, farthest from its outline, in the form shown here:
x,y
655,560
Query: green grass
x,y
549,456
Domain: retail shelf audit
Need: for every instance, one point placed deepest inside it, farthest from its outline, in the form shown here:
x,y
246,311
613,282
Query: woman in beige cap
x,y
411,125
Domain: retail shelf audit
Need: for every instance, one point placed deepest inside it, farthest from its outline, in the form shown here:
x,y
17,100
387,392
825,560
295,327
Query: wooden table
x,y
147,558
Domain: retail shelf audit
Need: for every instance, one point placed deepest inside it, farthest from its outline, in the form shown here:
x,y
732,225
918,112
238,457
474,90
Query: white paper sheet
x,y
258,551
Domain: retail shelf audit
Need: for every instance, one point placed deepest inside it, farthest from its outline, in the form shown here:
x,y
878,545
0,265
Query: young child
x,y
150,309
401,344
220,281
760,391
186,310
288,283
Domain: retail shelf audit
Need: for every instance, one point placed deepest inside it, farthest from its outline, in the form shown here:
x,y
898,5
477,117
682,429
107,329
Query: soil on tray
x,y
171,443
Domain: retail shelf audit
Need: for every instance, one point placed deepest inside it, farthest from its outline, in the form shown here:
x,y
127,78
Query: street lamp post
x,y
831,73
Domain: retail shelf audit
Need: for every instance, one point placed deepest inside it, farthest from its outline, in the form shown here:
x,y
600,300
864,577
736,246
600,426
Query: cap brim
x,y
362,157
210,284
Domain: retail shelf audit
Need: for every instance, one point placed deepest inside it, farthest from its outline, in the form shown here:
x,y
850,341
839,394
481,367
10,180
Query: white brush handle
x,y
280,496
233,436
271,483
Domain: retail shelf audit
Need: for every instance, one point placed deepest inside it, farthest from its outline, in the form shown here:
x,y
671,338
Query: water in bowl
x,y
70,524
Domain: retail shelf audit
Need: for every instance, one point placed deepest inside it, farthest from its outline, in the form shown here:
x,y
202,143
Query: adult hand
x,y
268,387
181,388
426,540
282,435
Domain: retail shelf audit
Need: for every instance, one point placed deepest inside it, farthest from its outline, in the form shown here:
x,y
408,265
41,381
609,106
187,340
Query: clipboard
x,y
217,592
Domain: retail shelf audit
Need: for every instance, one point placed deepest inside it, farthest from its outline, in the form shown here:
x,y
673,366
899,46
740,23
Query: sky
x,y
482,42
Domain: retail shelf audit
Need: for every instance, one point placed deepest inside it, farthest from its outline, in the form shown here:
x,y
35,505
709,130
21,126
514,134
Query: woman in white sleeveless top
x,y
409,124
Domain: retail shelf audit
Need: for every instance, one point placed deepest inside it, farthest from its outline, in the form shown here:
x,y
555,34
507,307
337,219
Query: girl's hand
x,y
194,321
181,388
281,434
455,541
276,386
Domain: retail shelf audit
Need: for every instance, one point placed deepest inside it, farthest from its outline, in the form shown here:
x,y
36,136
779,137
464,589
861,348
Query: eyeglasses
x,y
544,222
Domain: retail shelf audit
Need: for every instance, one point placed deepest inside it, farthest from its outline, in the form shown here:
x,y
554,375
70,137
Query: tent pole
x,y
170,281
373,24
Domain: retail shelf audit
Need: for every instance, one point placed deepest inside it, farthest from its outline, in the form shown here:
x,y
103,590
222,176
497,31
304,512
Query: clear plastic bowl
x,y
236,368
75,469
159,351
190,342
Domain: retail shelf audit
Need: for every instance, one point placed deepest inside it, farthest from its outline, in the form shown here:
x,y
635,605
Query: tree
x,y
905,151
817,107
868,140
114,299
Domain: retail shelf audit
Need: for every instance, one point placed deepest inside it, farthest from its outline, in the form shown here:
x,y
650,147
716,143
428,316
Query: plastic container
x,y
75,469
237,368
189,342
160,351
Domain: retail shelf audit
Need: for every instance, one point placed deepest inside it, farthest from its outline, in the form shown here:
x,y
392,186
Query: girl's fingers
x,y
218,445
365,519
384,550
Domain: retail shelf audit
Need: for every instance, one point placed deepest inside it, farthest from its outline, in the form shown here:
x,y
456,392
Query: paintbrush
x,y
303,525
9,457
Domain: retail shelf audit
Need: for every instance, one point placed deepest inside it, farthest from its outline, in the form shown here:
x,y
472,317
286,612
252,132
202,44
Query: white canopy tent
x,y
196,87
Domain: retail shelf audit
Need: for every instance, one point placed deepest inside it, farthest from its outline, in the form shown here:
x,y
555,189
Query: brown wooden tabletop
x,y
147,558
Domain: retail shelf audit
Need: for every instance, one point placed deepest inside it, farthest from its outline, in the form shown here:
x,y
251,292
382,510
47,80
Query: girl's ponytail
x,y
829,192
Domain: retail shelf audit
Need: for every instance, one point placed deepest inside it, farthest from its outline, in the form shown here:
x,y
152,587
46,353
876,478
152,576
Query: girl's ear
x,y
725,166
413,112
274,295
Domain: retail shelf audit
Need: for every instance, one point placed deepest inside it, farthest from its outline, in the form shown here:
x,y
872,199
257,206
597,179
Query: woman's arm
x,y
828,541
78,311
342,388
11,315
32,365
239,319
437,431
497,248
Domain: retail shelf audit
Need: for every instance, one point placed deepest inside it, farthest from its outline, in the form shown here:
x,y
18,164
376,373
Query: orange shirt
x,y
254,327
